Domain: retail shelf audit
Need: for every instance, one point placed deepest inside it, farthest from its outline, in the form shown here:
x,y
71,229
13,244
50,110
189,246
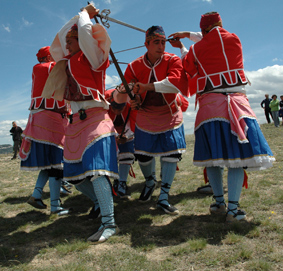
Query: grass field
x,y
31,239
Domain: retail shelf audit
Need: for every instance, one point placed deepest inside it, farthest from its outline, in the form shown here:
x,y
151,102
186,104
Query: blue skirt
x,y
43,156
99,159
215,145
160,144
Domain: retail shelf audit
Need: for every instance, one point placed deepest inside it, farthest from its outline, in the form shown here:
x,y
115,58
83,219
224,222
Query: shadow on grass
x,y
26,234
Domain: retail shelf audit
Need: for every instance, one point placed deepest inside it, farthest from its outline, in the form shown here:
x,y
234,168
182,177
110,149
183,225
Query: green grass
x,y
150,240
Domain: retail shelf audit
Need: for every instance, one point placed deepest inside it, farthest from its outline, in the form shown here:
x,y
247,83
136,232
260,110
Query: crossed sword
x,y
104,20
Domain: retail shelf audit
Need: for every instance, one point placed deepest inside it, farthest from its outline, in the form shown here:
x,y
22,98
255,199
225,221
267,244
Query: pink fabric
x,y
83,133
45,127
231,108
158,119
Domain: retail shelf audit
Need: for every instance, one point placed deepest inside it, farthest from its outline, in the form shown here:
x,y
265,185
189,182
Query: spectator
x,y
16,132
274,107
265,105
281,108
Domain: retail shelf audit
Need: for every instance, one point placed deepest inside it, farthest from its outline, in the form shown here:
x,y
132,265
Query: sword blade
x,y
101,16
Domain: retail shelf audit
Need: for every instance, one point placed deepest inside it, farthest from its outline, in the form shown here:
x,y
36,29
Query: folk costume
x,y
159,128
226,129
44,137
124,120
90,156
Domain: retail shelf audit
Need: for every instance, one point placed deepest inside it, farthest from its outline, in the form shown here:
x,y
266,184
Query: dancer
x,y
81,52
44,137
226,129
159,131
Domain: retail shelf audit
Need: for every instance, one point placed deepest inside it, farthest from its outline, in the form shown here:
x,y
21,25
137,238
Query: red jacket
x,y
169,66
39,76
216,61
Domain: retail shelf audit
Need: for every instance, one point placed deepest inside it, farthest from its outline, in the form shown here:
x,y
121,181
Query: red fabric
x,y
169,66
245,183
91,82
216,59
209,19
205,175
133,113
40,74
43,52
131,172
73,32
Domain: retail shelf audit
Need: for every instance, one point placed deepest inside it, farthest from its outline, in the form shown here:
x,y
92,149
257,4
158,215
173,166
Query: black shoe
x,y
146,196
36,203
206,189
169,209
122,192
93,214
115,185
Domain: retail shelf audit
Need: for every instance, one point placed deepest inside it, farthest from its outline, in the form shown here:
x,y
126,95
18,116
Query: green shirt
x,y
274,105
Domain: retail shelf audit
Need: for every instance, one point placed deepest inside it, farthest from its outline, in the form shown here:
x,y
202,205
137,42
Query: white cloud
x,y
268,80
5,127
26,23
277,59
112,81
6,28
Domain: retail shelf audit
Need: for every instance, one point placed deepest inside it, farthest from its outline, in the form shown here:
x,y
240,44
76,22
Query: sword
x,y
105,18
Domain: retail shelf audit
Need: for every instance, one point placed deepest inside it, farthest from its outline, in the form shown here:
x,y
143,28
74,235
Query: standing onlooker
x,y
274,107
16,132
281,108
226,130
265,105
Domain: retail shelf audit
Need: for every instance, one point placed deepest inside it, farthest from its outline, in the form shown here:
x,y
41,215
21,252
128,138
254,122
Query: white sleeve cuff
x,y
164,86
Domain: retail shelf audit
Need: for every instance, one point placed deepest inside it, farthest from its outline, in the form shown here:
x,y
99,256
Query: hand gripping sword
x,y
128,91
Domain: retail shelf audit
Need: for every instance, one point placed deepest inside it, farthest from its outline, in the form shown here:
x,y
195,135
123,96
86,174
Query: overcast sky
x,y
26,26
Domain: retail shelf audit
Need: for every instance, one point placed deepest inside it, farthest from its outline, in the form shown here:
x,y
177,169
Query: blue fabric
x,y
100,157
40,183
54,186
215,177
168,173
86,188
169,142
103,192
235,184
213,141
43,156
127,147
124,172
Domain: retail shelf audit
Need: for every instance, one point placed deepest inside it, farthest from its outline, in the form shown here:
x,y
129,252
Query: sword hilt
x,y
104,17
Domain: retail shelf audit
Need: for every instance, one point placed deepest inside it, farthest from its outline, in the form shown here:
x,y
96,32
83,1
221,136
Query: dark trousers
x,y
16,147
267,113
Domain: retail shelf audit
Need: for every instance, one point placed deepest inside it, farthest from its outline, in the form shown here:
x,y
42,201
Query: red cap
x,y
43,52
209,19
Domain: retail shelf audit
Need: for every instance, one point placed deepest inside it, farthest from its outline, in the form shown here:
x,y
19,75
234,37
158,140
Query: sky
x,y
26,26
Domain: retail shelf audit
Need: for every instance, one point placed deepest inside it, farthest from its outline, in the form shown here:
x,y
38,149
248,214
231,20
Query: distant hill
x,y
6,148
